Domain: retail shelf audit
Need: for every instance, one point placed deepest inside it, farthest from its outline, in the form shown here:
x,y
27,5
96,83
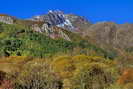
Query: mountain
x,y
105,34
51,24
70,27
56,50
66,21
79,23
111,34
39,38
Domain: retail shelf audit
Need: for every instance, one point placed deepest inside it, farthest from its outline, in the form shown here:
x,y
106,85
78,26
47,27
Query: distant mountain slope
x,y
111,34
105,34
70,28
80,23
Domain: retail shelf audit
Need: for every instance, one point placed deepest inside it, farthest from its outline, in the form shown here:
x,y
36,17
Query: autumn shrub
x,y
60,72
2,76
130,49
125,59
5,80
117,86
37,75
114,86
93,76
129,86
126,77
84,58
85,72
64,66
94,72
70,63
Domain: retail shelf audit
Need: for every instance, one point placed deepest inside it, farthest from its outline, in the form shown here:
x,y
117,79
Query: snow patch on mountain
x,y
55,18
67,23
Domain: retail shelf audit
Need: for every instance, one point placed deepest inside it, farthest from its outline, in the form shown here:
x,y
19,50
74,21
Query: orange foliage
x,y
7,84
3,15
126,77
2,76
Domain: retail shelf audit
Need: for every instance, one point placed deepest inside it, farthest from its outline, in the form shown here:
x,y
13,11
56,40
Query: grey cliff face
x,y
54,18
66,21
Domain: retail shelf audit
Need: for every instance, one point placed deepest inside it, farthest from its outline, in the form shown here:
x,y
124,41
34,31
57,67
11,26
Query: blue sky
x,y
119,11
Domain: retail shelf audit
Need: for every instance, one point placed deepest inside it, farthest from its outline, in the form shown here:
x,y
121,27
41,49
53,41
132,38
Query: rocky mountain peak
x,y
56,11
60,19
55,18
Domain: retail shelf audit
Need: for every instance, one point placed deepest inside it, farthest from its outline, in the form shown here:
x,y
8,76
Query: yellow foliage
x,y
80,58
66,66
67,84
63,65
126,77
12,64
89,66
4,15
2,35
69,68
81,61
128,86
84,58
14,59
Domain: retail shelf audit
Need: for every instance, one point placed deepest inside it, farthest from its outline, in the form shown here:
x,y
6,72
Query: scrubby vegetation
x,y
64,72
32,60
17,40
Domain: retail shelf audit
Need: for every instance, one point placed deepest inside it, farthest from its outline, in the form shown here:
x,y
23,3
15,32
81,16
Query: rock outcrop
x,y
55,18
51,31
6,19
66,21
